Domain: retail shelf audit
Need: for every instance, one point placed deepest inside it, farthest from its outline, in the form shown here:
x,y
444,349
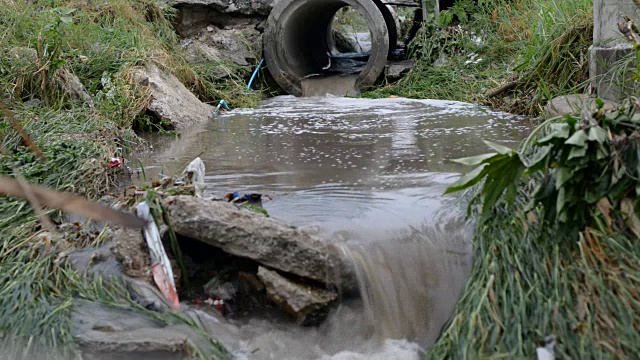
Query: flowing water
x,y
368,176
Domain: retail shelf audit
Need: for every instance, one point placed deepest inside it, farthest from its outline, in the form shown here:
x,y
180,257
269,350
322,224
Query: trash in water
x,y
220,106
195,175
255,199
160,266
116,162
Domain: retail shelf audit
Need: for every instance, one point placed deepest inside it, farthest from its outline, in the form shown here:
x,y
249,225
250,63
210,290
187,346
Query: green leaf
x,y
556,131
475,160
502,176
499,148
577,152
467,180
539,159
563,175
598,134
579,138
599,103
66,19
560,201
601,152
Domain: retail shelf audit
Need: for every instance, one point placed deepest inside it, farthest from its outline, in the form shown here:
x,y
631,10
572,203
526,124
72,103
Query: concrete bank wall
x,y
609,46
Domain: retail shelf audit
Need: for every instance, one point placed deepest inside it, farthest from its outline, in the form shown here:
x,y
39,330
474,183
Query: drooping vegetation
x,y
556,245
101,43
513,55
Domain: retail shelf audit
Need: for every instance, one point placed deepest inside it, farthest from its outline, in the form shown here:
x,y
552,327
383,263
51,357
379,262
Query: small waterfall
x,y
411,283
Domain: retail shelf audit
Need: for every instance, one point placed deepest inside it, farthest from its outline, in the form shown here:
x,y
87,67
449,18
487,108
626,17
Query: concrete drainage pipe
x,y
296,40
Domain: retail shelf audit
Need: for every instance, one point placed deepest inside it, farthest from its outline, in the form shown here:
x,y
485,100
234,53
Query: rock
x,y
250,235
171,101
23,56
71,85
307,304
102,262
95,262
216,287
130,249
395,70
245,7
344,43
574,104
104,332
228,49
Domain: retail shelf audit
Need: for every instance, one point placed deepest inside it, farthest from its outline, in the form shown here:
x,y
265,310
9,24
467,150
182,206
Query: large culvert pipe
x,y
296,40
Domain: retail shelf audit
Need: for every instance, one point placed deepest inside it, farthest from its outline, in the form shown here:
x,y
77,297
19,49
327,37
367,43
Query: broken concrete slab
x,y
574,104
230,51
307,304
103,332
395,70
171,101
71,85
250,235
130,249
605,81
245,7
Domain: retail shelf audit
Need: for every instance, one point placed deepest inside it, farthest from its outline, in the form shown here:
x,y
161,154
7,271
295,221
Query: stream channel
x,y
367,175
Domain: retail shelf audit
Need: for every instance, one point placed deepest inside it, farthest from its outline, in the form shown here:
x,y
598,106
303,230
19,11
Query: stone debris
x,y
71,85
250,235
171,101
307,304
574,104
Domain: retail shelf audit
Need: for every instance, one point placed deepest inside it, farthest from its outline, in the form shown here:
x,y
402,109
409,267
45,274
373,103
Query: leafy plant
x,y
578,164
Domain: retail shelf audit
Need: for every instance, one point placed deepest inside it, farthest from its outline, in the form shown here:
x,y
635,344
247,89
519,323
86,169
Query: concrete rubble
x,y
171,101
250,235
308,305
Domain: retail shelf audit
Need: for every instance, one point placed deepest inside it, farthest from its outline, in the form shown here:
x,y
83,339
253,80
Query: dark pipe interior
x,y
306,41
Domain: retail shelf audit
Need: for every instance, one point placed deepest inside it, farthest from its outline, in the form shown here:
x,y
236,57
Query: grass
x,y
540,46
102,43
525,285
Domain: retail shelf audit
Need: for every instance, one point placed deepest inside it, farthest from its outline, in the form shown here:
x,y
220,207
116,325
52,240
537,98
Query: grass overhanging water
x,y
102,44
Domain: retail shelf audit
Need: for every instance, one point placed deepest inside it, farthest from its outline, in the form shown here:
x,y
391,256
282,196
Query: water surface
x,y
368,176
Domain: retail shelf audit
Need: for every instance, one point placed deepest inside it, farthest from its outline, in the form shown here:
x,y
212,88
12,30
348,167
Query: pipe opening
x,y
312,38
349,43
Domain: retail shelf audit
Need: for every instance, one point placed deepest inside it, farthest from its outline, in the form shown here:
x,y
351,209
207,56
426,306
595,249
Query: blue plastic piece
x,y
255,72
221,104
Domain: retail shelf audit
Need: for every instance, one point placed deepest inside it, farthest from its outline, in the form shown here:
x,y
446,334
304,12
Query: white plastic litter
x,y
547,352
195,171
152,236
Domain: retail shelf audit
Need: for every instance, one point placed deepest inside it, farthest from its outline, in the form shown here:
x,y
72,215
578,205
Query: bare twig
x,y
25,136
504,88
67,202
33,200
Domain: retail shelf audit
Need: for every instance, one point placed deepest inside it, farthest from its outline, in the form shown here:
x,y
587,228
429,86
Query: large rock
x,y
574,104
227,49
104,332
250,235
245,7
171,101
307,304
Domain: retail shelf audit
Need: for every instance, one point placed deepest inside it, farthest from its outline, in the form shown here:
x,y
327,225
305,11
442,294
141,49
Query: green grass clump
x,y
522,289
103,44
539,46
557,254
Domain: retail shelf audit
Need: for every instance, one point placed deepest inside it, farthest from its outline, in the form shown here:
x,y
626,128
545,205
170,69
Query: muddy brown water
x,y
368,176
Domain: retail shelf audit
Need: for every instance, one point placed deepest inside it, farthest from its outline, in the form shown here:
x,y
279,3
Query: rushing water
x,y
367,175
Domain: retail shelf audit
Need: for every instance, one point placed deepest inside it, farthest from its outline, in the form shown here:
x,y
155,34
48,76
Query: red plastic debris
x,y
163,283
116,161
